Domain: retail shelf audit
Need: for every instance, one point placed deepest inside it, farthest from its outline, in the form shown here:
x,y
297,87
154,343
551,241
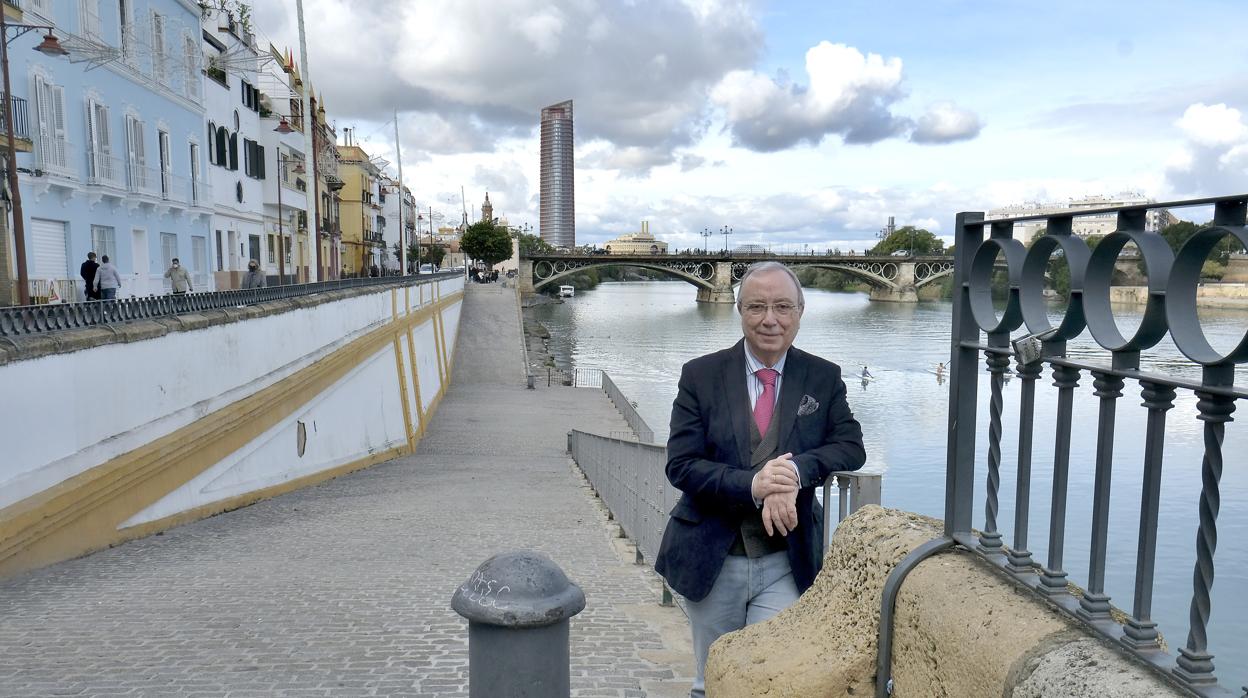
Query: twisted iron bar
x,y
1195,663
990,539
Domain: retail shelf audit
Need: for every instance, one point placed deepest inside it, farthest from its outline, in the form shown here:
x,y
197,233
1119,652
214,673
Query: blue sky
x,y
696,114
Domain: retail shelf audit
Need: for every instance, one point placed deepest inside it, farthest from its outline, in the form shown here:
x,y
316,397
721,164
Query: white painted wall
x,y
81,409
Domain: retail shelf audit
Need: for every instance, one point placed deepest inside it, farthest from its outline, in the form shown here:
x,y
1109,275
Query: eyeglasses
x,y
760,309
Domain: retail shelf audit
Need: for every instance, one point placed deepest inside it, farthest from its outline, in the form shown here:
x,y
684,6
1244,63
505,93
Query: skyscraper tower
x,y
558,196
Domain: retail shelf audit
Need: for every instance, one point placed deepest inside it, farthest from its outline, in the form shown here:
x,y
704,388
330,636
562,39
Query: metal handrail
x,y
631,478
37,319
1173,281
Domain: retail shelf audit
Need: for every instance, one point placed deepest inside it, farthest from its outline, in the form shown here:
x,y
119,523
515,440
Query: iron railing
x,y
626,407
36,319
631,478
21,117
1171,310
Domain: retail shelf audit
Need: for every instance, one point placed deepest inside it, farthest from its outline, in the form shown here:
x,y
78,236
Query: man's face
x,y
769,334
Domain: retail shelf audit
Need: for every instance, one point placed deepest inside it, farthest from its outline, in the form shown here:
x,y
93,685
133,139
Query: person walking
x,y
755,429
107,280
87,272
253,278
179,277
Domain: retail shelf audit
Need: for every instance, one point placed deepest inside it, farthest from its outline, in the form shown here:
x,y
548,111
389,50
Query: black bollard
x,y
518,605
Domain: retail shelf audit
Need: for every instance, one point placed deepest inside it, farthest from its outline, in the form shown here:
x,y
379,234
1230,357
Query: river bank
x,y
537,335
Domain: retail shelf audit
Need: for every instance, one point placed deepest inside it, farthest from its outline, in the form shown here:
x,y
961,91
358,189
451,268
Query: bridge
x,y
896,279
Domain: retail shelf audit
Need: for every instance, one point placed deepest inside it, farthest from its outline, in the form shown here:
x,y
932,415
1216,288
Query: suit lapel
x,y
738,401
791,388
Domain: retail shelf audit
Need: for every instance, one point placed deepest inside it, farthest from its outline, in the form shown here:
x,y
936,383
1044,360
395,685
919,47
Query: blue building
x,y
117,134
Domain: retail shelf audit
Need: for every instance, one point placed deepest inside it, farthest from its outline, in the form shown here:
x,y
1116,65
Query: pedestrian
x,y
254,278
87,272
866,374
179,278
745,538
107,280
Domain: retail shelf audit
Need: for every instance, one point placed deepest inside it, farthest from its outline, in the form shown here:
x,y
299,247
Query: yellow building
x,y
636,243
360,207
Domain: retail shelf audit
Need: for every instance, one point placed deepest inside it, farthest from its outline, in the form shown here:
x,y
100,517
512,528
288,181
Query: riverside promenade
x,y
344,589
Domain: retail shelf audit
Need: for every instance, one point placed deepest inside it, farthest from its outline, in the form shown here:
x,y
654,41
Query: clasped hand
x,y
776,485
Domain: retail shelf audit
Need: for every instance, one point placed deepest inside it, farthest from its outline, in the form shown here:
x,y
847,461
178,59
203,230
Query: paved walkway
x,y
344,589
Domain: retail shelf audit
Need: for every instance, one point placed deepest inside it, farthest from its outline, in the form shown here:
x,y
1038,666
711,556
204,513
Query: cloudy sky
x,y
792,122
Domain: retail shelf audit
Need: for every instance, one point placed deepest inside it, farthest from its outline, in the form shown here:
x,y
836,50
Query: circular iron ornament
x,y
1158,258
1031,298
706,271
983,264
543,270
1184,281
889,271
561,267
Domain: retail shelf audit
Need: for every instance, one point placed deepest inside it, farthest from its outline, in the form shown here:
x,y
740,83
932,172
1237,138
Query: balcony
x,y
13,10
21,121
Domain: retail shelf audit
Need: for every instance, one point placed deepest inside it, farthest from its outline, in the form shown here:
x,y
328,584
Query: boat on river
x,y
567,291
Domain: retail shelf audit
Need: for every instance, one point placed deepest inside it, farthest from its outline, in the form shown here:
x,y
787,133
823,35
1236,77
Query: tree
x,y
486,242
916,241
432,254
532,244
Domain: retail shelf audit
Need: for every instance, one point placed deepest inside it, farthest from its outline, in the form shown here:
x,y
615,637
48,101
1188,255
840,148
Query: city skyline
x,y
795,122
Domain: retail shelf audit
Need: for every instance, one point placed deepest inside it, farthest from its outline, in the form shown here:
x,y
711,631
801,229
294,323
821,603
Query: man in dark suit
x,y
87,272
755,429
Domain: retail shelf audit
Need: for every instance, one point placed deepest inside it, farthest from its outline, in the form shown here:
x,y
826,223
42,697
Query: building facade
x,y
1083,226
117,164
362,198
636,243
558,191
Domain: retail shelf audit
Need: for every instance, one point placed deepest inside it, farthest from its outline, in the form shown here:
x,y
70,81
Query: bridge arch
x,y
700,274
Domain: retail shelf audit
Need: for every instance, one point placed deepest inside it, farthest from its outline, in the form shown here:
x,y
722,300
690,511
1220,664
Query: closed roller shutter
x,y
48,246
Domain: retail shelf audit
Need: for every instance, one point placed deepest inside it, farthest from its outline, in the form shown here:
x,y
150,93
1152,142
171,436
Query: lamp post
x,y
725,231
706,235
50,46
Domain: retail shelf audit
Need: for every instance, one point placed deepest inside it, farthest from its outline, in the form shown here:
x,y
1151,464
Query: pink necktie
x,y
767,401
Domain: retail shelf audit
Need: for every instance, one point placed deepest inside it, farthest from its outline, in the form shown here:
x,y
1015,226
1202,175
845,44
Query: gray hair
x,y
760,267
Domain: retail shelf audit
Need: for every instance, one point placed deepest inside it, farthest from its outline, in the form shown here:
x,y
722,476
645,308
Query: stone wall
x,y
961,631
1210,295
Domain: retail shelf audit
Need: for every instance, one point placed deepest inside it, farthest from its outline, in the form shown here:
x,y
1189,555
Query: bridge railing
x,y
631,479
1022,334
37,319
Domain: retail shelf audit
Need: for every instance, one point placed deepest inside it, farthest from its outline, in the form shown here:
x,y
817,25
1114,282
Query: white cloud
x,y
1213,159
848,94
945,122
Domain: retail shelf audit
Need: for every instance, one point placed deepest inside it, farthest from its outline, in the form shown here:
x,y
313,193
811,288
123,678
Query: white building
x,y
287,190
237,162
1082,226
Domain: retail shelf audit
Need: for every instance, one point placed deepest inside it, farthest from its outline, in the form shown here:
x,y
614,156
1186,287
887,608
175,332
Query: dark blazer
x,y
708,456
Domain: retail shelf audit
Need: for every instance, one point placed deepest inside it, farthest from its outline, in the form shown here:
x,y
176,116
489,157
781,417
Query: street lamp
x,y
282,161
706,234
50,46
725,231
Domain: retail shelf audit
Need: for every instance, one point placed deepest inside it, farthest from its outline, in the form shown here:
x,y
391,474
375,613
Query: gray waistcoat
x,y
752,539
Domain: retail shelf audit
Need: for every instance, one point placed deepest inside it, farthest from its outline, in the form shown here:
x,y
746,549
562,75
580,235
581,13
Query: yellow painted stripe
x,y
83,513
420,406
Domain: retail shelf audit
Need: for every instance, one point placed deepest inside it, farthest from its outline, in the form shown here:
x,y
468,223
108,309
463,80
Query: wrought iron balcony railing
x,y
21,119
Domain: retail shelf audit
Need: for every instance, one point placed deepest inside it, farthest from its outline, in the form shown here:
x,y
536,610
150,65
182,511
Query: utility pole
x,y
398,155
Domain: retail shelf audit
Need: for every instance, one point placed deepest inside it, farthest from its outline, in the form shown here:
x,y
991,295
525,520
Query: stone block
x,y
961,629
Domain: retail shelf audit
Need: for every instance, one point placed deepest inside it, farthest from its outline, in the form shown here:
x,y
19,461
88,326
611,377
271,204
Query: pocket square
x,y
809,405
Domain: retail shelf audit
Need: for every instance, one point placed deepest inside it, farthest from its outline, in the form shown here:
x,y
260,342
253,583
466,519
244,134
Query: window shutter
x,y
93,165
193,77
221,142
260,160
212,138
58,124
105,161
234,151
158,47
247,157
89,18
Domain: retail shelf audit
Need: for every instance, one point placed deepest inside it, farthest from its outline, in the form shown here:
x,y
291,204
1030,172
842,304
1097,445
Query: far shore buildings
x,y
557,224
636,243
1082,226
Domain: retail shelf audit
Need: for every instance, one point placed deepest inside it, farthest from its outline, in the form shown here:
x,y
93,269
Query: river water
x,y
642,332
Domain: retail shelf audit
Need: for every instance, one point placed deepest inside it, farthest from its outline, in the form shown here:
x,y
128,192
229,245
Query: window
x,y
159,57
195,183
50,103
220,252
234,151
222,145
253,159
89,18
212,138
250,95
191,57
125,12
199,260
136,159
99,145
168,248
253,247
272,247
104,241
166,175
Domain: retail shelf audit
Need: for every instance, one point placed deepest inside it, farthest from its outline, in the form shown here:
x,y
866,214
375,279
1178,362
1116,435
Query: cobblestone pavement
x,y
344,589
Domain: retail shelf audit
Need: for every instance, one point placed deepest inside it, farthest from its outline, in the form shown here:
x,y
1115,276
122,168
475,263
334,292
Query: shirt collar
x,y
753,364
